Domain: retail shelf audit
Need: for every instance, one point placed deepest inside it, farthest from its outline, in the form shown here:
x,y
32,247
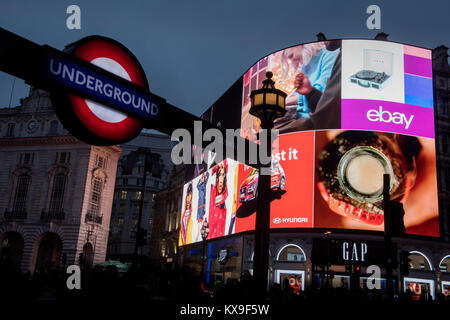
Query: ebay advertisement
x,y
387,87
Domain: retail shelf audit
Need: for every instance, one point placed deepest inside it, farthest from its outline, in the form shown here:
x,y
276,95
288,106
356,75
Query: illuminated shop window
x,y
292,278
419,261
291,252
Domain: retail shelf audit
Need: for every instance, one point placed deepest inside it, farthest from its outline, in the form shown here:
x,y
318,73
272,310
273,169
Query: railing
x,y
12,215
90,217
52,215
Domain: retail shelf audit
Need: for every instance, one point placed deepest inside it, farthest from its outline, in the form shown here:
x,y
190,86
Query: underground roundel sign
x,y
93,122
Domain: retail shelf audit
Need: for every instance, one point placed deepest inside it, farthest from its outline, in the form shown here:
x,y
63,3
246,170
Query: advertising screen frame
x,y
434,137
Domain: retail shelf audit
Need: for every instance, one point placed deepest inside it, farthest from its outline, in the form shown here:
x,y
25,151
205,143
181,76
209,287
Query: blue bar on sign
x,y
93,83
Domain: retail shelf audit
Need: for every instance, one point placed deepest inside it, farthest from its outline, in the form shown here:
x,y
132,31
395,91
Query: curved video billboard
x,y
356,109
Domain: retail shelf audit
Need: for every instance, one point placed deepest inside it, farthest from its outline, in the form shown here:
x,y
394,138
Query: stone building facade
x,y
56,192
441,83
164,248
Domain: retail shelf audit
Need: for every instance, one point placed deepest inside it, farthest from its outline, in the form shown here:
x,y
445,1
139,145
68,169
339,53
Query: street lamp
x,y
267,104
129,164
327,267
204,231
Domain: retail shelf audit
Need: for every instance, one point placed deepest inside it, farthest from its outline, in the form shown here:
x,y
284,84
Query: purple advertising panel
x,y
388,116
387,87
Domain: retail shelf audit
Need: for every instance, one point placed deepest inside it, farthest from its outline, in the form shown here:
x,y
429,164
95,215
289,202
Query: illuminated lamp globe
x,y
268,103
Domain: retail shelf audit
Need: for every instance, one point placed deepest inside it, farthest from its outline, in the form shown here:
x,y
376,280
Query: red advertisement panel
x,y
296,157
292,182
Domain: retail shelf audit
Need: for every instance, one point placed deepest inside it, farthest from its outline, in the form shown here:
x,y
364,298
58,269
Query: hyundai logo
x,y
277,220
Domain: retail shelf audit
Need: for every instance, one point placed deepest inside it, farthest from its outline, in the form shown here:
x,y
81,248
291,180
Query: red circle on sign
x,y
122,130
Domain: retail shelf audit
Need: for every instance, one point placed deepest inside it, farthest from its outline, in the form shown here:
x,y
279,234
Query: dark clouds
x,y
193,50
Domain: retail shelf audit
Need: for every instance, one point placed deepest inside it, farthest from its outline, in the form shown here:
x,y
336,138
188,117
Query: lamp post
x,y
204,231
267,104
387,235
327,267
139,232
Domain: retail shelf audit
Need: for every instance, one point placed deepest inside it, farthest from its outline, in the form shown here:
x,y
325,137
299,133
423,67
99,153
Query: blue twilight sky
x,y
193,50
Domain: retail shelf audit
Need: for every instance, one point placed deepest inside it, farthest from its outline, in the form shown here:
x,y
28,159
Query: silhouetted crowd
x,y
153,284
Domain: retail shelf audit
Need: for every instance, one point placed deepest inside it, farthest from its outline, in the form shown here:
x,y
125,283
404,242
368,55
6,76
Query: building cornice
x,y
32,141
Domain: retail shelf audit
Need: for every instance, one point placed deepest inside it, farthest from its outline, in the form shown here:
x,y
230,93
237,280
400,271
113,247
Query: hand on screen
x,y
302,84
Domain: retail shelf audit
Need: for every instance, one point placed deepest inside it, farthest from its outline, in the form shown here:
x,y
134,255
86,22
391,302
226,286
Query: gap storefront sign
x,y
346,252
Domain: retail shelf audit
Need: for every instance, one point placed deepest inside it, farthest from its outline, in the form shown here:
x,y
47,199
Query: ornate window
x,y
20,196
100,161
62,158
57,194
10,129
53,128
96,196
93,214
26,159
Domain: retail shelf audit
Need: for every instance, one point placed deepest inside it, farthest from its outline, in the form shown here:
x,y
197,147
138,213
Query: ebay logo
x,y
381,115
387,116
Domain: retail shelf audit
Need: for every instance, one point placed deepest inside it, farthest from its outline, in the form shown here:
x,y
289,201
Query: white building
x,y
56,192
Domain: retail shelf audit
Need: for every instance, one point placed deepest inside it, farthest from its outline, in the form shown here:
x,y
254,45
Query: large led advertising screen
x,y
356,109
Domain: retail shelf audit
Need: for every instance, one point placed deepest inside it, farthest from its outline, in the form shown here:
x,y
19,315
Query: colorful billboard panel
x,y
320,179
310,74
211,197
291,172
294,208
348,84
387,87
349,181
356,109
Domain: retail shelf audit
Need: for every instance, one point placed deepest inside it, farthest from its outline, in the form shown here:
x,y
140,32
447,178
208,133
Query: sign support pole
x,y
387,235
32,62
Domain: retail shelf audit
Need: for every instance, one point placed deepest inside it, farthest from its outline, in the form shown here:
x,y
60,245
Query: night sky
x,y
193,50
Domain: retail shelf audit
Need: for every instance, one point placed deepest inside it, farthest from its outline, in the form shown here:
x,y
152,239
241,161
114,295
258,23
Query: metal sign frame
x,y
29,61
